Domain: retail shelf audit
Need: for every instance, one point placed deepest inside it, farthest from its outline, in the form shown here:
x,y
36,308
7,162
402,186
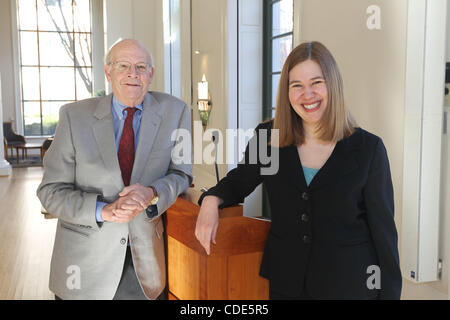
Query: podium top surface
x,y
236,234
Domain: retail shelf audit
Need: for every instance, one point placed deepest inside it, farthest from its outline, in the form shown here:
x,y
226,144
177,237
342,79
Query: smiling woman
x,y
310,75
331,199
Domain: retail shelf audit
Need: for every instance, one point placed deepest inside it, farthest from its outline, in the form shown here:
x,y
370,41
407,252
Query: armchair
x,y
11,139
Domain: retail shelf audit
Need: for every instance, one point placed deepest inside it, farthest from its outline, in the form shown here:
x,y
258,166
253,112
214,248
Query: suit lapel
x,y
341,162
295,176
103,130
150,122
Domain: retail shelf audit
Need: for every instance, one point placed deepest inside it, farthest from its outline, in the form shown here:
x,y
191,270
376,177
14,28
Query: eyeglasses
x,y
125,66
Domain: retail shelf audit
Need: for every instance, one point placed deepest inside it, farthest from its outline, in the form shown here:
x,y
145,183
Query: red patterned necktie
x,y
126,147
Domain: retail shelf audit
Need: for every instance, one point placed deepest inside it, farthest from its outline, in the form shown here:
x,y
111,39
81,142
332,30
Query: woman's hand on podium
x,y
208,222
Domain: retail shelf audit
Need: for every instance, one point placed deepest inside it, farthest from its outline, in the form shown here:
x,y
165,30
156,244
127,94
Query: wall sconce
x,y
204,102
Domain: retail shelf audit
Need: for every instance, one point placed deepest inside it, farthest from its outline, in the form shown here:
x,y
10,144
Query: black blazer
x,y
324,237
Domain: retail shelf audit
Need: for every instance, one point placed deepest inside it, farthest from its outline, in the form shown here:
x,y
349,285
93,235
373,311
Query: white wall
x,y
5,167
447,97
98,48
141,20
448,30
6,62
177,49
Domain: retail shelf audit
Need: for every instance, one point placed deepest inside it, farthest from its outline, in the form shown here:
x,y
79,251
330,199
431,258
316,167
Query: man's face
x,y
129,73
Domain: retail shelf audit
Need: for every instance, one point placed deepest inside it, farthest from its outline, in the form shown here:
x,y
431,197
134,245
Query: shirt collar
x,y
118,108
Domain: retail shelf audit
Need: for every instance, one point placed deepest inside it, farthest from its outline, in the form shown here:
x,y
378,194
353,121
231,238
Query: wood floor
x,y
26,238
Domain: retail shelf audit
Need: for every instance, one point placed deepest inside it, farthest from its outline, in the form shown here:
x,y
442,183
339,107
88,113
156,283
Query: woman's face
x,y
308,91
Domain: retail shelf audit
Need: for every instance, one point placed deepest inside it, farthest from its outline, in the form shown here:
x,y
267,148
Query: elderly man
x,y
108,176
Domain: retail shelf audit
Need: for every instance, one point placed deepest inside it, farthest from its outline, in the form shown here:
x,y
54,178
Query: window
x,y
278,38
55,59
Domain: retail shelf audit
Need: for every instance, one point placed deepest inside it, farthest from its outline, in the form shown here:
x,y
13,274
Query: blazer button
x,y
123,241
306,239
305,196
305,217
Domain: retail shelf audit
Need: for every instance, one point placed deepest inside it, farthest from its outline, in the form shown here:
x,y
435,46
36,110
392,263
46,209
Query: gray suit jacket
x,y
81,166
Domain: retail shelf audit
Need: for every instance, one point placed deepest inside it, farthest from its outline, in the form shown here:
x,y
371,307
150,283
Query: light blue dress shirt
x,y
119,115
309,174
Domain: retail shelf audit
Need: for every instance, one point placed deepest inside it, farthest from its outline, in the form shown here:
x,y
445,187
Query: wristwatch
x,y
155,196
152,209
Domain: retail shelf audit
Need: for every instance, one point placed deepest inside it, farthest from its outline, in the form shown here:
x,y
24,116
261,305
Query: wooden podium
x,y
231,271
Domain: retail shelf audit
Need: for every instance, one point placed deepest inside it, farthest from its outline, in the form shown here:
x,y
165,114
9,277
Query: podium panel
x,y
231,271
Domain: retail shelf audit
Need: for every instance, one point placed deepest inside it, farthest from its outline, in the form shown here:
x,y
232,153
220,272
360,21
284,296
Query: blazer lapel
x,y
103,130
295,171
341,162
150,122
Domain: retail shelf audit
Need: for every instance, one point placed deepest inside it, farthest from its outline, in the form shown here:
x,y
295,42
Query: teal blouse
x,y
309,174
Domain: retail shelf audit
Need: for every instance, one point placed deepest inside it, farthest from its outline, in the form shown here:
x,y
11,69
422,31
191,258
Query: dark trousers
x,y
129,287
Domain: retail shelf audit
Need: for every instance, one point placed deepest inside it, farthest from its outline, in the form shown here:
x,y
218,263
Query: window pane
x,y
50,116
83,49
275,82
27,14
82,16
32,118
58,83
84,83
28,44
55,15
30,83
282,17
55,48
281,47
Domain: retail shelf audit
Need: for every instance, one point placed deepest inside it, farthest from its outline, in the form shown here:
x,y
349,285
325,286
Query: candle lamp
x,y
204,102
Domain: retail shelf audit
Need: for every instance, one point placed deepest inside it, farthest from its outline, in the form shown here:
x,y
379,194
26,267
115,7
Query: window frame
x,y
268,74
18,67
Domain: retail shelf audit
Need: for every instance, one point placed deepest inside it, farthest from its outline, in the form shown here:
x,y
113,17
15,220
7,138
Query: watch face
x,y
152,211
